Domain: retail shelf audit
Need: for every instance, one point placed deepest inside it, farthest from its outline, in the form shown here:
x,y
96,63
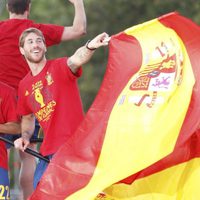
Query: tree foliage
x,y
111,16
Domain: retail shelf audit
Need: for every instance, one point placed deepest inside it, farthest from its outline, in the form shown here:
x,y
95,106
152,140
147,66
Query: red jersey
x,y
13,66
54,98
8,107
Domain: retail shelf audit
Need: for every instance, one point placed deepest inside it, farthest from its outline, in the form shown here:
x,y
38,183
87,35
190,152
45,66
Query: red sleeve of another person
x,y
8,104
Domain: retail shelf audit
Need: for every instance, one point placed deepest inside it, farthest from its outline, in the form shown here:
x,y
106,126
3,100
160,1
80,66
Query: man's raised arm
x,y
84,53
79,24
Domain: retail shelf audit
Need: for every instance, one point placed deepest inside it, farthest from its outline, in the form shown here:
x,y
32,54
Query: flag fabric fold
x,y
142,120
176,176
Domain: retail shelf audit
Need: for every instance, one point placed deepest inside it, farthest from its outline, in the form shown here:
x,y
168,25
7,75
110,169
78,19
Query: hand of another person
x,y
74,1
21,143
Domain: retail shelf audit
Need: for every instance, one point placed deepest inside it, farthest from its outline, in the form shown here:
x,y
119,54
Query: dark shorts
x,y
40,169
4,184
14,137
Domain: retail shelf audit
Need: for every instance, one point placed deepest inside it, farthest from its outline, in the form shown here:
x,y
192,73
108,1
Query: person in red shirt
x,y
13,66
50,92
9,123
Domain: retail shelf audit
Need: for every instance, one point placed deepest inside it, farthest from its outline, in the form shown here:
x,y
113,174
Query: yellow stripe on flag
x,y
175,183
146,119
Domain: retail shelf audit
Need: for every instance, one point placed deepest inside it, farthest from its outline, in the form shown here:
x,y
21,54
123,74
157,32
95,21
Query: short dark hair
x,y
18,6
27,32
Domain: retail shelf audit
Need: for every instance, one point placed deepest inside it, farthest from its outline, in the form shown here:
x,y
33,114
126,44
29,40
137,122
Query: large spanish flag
x,y
139,138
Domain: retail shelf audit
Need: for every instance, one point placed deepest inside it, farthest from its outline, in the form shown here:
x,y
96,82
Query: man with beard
x,y
50,92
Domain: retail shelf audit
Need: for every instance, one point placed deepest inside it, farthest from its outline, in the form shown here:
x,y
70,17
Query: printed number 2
x,y
2,190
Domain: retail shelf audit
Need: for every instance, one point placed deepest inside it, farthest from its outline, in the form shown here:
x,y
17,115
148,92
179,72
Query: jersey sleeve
x,y
64,68
52,33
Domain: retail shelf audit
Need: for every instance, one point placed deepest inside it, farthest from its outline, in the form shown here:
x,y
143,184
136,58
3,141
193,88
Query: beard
x,y
35,59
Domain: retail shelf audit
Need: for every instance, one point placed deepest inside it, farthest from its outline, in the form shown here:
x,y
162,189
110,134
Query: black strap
x,y
27,150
